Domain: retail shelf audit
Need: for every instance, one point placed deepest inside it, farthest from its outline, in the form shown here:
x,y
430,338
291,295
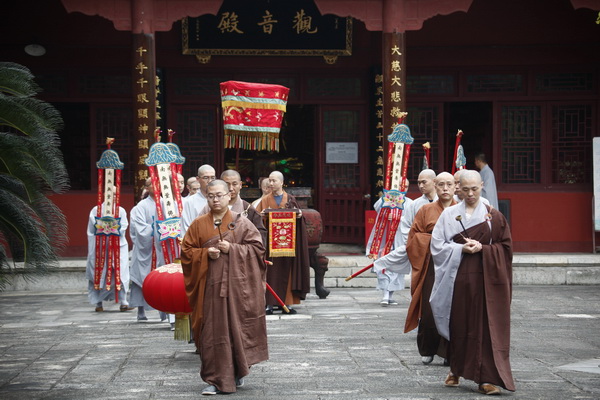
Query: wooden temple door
x,y
341,174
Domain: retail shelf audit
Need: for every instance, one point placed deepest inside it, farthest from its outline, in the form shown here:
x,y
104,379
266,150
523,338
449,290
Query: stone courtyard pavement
x,y
54,346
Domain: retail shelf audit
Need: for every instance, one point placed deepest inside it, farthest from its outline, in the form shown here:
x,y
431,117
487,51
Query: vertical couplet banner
x,y
144,104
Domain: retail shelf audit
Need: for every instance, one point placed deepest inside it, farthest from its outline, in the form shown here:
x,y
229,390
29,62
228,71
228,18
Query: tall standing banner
x,y
160,164
108,223
427,155
394,193
176,168
459,161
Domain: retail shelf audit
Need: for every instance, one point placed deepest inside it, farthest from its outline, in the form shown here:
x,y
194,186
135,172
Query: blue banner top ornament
x,y
179,159
160,154
401,134
393,199
461,160
109,160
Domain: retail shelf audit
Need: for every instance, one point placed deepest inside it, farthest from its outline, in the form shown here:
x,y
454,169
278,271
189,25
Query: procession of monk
x,y
453,243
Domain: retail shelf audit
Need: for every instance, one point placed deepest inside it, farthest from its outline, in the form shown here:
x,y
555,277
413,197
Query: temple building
x,y
521,79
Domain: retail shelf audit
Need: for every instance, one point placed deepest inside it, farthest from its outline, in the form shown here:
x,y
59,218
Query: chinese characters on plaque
x,y
265,27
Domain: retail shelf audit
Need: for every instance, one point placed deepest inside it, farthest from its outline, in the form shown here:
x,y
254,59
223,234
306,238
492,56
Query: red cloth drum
x,y
164,289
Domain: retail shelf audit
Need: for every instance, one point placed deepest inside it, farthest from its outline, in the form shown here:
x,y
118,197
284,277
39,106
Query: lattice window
x,y
341,126
495,83
117,122
196,133
196,85
334,87
424,125
567,82
571,144
521,144
430,84
105,84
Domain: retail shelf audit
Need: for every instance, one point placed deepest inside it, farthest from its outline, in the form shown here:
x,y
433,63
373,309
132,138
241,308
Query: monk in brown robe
x,y
429,342
222,257
288,276
471,247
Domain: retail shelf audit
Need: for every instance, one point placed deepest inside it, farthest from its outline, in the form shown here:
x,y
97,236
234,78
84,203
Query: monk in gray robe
x,y
196,202
489,191
222,257
471,248
147,251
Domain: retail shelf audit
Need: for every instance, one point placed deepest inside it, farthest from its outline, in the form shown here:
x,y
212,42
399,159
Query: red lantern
x,y
164,289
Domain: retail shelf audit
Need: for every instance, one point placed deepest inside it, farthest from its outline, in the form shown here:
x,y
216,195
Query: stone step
x,y
528,269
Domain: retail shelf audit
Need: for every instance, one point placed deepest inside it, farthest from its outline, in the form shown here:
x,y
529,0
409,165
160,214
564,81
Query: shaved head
x,y
427,173
444,176
470,175
217,182
276,183
444,187
205,169
231,173
276,174
471,185
425,182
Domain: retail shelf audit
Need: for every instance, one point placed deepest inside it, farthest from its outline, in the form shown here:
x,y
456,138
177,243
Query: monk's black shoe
x,y
290,311
269,310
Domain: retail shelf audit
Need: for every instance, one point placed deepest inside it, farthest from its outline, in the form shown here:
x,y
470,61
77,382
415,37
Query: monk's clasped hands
x,y
213,253
223,246
472,246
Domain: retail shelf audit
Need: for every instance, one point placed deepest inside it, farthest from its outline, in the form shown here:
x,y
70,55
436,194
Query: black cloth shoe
x,y
269,310
290,311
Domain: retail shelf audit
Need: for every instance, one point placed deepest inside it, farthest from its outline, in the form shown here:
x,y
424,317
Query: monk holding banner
x,y
429,342
222,257
289,276
471,248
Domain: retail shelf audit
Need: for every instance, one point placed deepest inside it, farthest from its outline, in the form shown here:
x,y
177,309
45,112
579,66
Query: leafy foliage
x,y
32,229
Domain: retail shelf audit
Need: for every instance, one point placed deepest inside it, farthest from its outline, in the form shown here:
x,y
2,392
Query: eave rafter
x,y
149,16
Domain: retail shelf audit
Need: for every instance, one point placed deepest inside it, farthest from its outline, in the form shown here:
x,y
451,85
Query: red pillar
x,y
144,87
393,67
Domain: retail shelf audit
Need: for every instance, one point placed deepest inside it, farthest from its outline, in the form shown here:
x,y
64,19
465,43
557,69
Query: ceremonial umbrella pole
x,y
159,165
394,192
108,223
459,161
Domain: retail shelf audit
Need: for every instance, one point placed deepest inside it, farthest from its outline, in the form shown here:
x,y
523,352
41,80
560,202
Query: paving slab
x,y
54,346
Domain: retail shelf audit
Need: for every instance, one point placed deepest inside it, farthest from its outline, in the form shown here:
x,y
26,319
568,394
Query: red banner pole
x,y
357,273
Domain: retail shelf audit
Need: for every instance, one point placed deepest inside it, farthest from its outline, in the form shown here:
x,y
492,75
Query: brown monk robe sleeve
x,y
417,249
497,269
257,220
194,262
